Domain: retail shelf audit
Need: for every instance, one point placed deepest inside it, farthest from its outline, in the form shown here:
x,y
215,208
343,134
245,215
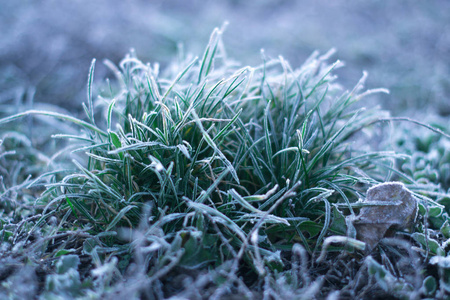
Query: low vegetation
x,y
208,179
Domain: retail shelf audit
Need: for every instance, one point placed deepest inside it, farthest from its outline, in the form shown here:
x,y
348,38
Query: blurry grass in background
x,y
46,46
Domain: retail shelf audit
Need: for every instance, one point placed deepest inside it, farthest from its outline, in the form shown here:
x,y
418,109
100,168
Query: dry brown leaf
x,y
391,207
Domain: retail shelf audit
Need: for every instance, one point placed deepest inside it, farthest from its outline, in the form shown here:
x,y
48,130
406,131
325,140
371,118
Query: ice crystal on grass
x,y
208,179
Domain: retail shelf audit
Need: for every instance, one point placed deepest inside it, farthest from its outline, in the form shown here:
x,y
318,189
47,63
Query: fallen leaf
x,y
390,206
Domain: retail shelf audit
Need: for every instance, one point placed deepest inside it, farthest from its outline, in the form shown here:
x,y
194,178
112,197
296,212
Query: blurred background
x,y
46,46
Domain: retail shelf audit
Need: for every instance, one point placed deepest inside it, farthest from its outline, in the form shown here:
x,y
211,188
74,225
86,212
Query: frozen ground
x,y
47,46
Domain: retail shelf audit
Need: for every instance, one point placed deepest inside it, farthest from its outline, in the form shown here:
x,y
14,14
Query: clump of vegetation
x,y
430,154
210,179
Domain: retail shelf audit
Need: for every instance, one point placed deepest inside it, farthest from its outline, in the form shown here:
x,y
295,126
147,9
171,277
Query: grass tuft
x,y
209,179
